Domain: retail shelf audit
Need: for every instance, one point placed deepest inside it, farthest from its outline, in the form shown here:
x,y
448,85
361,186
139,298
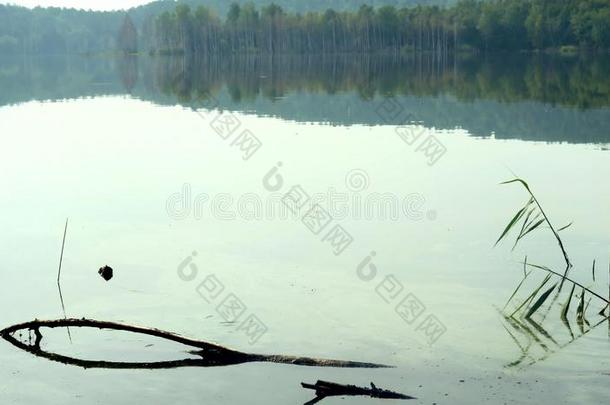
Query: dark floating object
x,y
328,389
106,272
211,354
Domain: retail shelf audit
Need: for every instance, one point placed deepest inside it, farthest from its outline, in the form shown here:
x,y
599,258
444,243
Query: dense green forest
x,y
57,30
298,26
54,30
469,24
221,7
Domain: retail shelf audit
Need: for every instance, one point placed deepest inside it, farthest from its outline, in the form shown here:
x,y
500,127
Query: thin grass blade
x,y
516,289
513,221
517,180
531,228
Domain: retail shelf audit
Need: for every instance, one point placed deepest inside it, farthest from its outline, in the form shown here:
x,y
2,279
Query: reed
x,y
525,319
61,258
529,218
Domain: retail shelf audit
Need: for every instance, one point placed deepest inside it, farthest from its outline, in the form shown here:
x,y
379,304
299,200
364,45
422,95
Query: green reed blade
x,y
516,289
513,221
566,306
532,295
580,311
540,301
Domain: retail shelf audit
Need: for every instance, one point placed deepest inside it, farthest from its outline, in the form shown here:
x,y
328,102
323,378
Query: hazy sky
x,y
86,4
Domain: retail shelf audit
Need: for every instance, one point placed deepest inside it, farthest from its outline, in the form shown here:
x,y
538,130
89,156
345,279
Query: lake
x,y
341,207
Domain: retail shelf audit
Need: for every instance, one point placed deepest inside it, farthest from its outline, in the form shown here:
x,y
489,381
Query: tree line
x,y
302,27
297,6
54,30
469,24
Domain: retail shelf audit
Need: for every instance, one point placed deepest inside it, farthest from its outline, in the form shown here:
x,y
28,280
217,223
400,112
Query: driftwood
x,y
211,354
328,389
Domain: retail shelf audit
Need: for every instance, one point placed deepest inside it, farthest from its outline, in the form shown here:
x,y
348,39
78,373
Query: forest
x,y
67,31
467,25
291,26
297,6
56,31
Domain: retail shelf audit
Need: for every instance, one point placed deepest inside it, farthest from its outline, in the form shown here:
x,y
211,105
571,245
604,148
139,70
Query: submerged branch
x,y
211,354
328,389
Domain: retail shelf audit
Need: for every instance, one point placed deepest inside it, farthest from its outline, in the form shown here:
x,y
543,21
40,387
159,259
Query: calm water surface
x,y
127,149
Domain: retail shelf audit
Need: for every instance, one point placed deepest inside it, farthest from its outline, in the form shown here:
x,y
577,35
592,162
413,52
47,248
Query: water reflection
x,y
557,80
536,344
127,67
514,96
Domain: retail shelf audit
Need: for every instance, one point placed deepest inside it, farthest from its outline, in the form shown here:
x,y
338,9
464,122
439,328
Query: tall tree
x,y
128,36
